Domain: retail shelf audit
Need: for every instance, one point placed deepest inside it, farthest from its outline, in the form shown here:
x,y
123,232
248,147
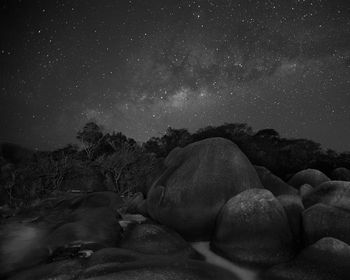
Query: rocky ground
x,y
209,192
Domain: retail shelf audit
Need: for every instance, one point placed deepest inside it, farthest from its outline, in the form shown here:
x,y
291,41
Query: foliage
x,y
35,180
127,168
265,147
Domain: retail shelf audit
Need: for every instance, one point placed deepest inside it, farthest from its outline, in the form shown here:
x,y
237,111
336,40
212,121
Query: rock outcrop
x,y
59,227
252,228
273,183
334,193
327,259
198,181
322,220
305,189
152,239
312,177
294,208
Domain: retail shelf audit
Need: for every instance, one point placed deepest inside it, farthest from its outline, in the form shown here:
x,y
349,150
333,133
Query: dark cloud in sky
x,y
140,66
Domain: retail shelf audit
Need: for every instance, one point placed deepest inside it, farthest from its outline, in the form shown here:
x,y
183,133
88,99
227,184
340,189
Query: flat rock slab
x,y
153,239
159,270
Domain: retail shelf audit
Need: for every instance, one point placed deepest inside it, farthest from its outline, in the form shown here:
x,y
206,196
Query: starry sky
x,y
140,66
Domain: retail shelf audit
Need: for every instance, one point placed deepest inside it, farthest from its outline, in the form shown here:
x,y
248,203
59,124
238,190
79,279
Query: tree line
x,y
126,166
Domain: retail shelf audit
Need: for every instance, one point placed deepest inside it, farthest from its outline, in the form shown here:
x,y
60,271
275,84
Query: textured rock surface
x,y
115,255
56,228
322,220
312,177
63,270
294,208
327,259
253,228
159,270
97,225
334,193
273,183
305,190
137,205
156,240
198,181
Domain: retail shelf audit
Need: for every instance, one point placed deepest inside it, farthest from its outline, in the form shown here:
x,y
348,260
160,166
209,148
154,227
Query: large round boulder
x,y
252,228
322,220
341,174
273,183
198,181
155,239
327,259
312,177
334,193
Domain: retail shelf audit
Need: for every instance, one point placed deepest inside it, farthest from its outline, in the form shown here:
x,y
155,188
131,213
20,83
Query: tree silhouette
x,y
90,136
267,133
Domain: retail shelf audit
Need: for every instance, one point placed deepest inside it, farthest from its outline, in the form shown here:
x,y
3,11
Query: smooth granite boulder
x,y
334,193
327,259
322,220
294,208
312,177
305,190
273,183
152,239
95,225
253,229
198,181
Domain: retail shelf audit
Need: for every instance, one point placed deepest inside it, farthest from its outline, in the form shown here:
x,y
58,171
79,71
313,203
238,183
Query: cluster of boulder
x,y
208,191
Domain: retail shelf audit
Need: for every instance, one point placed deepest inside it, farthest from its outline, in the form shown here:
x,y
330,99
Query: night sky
x,y
141,66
